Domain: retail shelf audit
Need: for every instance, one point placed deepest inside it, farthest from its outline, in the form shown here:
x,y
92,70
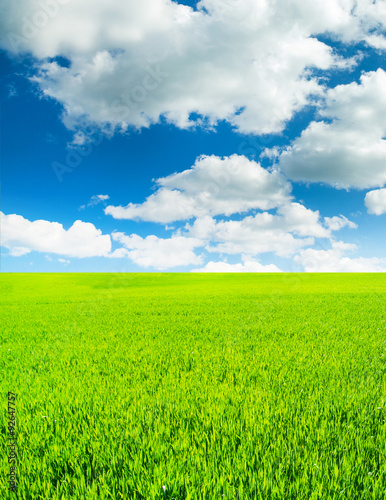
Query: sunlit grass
x,y
195,386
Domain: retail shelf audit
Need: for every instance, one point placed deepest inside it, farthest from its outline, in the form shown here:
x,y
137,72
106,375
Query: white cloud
x,y
370,21
99,198
132,63
164,206
349,151
293,227
212,186
339,222
249,266
95,200
159,253
79,139
375,201
82,239
334,261
299,220
64,261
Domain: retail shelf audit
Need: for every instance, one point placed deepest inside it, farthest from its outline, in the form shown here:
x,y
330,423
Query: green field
x,y
195,386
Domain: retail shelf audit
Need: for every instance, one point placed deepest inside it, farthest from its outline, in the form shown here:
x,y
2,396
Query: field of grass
x,y
177,386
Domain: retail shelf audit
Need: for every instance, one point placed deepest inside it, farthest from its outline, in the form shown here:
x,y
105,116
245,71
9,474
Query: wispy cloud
x,y
95,200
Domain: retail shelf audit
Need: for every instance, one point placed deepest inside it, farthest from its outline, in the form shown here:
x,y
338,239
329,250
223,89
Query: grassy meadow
x,y
195,386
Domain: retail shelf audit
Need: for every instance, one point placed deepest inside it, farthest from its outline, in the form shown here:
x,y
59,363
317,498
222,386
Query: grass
x,y
177,386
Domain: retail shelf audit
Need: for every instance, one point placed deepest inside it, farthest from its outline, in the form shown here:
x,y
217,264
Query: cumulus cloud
x,y
159,253
348,147
339,222
291,228
248,266
212,186
335,261
375,201
284,233
132,64
21,236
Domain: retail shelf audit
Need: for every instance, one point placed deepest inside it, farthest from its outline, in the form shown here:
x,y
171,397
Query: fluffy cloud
x,y
44,23
159,253
82,239
293,227
339,222
348,148
375,201
249,266
334,261
240,186
212,186
133,63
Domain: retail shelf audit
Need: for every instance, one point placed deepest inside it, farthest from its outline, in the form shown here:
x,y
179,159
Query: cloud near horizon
x,y
212,186
21,236
248,266
334,260
285,234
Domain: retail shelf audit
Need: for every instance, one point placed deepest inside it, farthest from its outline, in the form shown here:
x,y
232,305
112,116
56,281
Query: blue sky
x,y
236,136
